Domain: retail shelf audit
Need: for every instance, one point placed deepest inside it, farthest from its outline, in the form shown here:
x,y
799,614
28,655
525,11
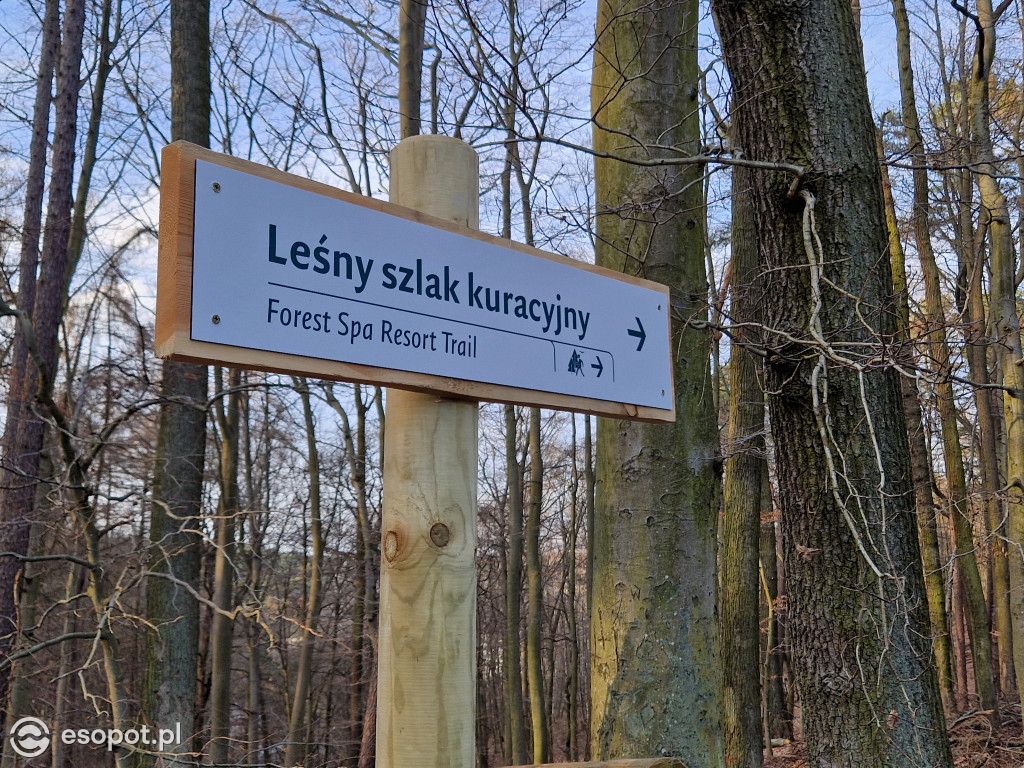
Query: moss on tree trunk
x,y
656,674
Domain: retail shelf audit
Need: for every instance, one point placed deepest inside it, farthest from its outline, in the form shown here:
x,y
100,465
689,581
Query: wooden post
x,y
426,706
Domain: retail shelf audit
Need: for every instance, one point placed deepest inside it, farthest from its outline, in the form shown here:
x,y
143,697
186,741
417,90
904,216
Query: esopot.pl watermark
x,y
30,737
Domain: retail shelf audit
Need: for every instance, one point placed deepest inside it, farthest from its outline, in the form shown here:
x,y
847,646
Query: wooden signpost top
x,y
267,270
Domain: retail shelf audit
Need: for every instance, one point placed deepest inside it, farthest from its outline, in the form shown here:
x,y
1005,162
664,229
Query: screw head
x,y
215,319
215,186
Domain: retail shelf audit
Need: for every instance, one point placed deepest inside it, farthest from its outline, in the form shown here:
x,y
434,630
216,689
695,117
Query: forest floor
x,y
976,744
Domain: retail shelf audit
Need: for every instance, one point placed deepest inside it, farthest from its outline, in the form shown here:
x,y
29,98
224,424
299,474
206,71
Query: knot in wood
x,y
390,546
440,535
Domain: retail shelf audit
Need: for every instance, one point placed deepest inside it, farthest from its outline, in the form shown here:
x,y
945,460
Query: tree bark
x,y
17,518
412,21
172,649
297,748
1005,318
741,527
222,624
22,441
978,624
513,593
656,685
857,623
920,462
535,606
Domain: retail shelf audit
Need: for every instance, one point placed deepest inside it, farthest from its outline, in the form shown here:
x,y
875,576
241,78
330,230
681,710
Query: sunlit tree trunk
x,y
656,684
1004,313
222,624
976,610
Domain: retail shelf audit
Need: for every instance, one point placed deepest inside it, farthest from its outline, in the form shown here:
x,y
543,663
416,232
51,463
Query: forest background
x,y
284,545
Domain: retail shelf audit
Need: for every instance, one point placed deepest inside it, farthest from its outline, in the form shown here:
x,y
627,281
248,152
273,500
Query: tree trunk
x,y
572,682
739,582
412,16
23,430
1005,318
172,649
778,713
920,466
956,482
656,686
857,622
535,606
513,592
222,624
297,748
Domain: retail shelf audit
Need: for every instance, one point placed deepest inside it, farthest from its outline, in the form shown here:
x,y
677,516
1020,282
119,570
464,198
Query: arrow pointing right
x,y
599,366
640,334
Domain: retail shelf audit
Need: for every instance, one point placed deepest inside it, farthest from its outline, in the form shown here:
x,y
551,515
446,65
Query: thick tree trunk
x,y
857,623
656,685
744,474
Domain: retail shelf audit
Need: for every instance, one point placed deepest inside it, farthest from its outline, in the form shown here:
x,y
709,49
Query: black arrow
x,y
599,365
641,334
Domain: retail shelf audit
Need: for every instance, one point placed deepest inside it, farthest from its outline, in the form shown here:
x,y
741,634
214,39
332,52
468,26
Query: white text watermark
x,y
30,737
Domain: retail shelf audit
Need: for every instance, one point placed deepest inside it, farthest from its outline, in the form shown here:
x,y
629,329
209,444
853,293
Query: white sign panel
x,y
306,274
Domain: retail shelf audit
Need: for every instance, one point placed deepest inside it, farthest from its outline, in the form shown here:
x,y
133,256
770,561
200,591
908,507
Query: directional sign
x,y
266,270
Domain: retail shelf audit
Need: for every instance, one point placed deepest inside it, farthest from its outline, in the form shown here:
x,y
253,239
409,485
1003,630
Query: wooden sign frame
x,y
173,338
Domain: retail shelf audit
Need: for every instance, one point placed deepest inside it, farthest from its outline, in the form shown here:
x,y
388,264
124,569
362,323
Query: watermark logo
x,y
29,737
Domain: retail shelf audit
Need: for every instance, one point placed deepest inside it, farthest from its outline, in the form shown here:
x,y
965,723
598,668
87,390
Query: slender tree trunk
x,y
777,710
23,431
1005,318
172,649
535,608
742,501
572,681
513,592
412,16
924,500
222,625
364,585
68,661
978,626
656,685
297,749
857,622
589,507
21,685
